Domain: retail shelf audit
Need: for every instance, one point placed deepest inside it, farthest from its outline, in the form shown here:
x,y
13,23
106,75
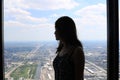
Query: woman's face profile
x,y
57,35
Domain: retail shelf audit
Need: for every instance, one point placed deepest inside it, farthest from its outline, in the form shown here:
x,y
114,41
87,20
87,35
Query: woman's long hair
x,y
67,31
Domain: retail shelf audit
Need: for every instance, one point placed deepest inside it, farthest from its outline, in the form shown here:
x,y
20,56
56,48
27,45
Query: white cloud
x,y
91,22
8,4
97,9
23,17
12,12
13,24
16,31
51,4
17,10
14,8
21,22
31,20
40,4
26,25
92,13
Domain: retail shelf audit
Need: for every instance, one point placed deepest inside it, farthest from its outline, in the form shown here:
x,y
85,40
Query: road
x,y
7,75
29,55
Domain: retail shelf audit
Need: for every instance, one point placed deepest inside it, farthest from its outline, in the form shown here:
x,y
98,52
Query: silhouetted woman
x,y
70,60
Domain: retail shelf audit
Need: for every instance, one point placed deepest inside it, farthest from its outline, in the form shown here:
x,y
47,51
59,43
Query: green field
x,y
26,71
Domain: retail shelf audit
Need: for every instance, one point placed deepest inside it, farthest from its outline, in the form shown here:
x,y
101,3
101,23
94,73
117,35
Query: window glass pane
x,y
29,41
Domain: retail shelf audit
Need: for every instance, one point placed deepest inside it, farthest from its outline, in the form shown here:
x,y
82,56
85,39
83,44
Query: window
x,y
35,48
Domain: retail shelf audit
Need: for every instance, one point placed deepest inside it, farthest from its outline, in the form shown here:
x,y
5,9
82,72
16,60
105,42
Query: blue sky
x,y
33,20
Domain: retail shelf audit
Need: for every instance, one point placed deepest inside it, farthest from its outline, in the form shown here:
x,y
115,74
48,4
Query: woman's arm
x,y
79,62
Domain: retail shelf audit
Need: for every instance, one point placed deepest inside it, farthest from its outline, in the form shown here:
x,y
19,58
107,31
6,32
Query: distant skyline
x,y
33,20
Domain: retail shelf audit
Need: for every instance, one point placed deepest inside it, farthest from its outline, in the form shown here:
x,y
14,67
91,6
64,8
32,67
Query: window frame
x,y
1,43
112,41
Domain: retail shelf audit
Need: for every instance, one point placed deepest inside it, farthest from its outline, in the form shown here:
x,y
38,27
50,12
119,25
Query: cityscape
x,y
33,60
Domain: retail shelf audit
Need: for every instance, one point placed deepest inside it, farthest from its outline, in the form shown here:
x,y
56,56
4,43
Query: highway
x,y
29,55
95,69
7,75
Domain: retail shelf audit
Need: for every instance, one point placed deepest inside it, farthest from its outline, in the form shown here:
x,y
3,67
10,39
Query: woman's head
x,y
66,30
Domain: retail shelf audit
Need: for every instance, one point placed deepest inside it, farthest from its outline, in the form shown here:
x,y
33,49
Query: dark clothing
x,y
64,67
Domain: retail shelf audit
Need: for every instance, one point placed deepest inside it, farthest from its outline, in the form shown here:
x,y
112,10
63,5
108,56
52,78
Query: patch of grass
x,y
24,71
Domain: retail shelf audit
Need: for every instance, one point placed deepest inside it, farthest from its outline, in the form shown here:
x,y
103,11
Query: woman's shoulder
x,y
78,48
78,52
